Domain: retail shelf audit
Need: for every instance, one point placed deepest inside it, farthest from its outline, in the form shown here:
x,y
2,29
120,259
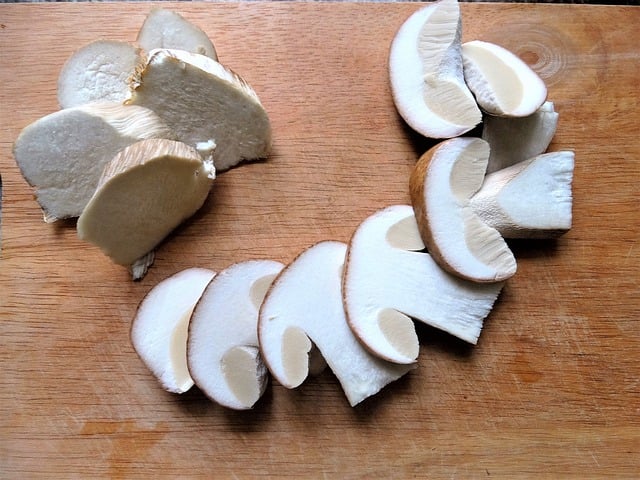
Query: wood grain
x,y
552,389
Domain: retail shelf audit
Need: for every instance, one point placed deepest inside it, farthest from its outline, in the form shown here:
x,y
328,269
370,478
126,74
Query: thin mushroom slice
x,y
99,71
502,83
167,29
146,191
304,308
389,280
222,348
62,155
426,73
205,104
441,185
159,328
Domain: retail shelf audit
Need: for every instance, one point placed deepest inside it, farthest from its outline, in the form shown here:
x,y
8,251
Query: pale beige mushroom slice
x,y
145,192
516,139
205,104
389,280
167,29
159,328
304,308
426,73
502,83
99,71
531,199
441,185
62,155
222,349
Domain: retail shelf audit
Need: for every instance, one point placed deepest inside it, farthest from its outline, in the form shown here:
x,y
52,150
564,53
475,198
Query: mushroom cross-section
x,y
304,307
389,280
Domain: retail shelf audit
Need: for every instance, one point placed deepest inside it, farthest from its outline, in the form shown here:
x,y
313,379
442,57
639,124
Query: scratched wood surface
x,y
552,389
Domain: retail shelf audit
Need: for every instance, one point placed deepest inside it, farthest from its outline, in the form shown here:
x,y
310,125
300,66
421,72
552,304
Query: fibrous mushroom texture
x,y
304,308
159,328
389,280
222,349
426,73
205,104
63,154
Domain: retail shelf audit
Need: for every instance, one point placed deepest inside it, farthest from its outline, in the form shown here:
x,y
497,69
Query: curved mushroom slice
x,y
531,199
516,139
222,348
442,184
99,71
63,154
147,190
166,29
426,73
205,104
304,305
159,329
501,82
388,280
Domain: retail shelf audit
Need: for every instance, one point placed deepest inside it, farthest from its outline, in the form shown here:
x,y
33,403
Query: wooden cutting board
x,y
552,390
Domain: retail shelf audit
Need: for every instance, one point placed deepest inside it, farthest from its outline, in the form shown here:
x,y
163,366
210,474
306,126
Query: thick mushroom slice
x,y
205,104
389,280
304,308
63,154
159,328
502,83
516,139
426,73
146,191
442,184
222,348
166,29
99,71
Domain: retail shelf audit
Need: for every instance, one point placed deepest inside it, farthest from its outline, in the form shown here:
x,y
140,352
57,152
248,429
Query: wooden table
x,y
552,390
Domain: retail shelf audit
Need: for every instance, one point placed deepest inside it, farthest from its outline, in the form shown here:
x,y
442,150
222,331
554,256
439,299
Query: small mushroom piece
x,y
389,280
222,348
426,73
99,71
531,199
441,186
159,328
64,153
146,191
304,308
167,29
205,104
501,82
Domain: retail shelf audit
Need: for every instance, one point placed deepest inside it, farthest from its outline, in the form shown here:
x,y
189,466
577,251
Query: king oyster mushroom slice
x,y
63,154
426,73
146,191
502,83
159,328
304,305
205,104
516,139
99,71
167,29
389,280
222,349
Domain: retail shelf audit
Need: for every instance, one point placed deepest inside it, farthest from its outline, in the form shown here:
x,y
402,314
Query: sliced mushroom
x,y
205,104
426,73
147,190
304,308
222,349
159,328
389,280
63,154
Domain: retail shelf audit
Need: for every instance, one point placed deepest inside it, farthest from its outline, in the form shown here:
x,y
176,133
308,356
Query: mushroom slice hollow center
x,y
304,308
